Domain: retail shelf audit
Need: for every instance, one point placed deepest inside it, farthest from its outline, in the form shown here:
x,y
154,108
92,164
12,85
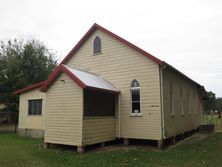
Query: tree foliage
x,y
219,105
210,104
22,63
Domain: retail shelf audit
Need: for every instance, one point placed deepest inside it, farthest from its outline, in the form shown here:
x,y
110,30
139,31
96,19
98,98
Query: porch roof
x,y
82,78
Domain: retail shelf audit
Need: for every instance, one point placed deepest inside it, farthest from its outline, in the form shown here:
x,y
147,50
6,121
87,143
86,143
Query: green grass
x,y
196,151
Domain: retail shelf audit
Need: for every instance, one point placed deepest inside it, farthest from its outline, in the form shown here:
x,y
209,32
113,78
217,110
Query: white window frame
x,y
131,101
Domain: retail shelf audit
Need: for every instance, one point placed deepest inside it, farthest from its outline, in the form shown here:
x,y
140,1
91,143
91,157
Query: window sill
x,y
95,54
136,115
172,114
34,115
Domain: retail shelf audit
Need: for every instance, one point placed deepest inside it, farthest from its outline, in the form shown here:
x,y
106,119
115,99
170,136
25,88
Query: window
x,y
188,102
135,96
194,103
97,45
35,107
171,99
181,101
98,103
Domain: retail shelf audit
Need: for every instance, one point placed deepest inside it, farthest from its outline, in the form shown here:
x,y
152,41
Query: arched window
x,y
97,45
135,96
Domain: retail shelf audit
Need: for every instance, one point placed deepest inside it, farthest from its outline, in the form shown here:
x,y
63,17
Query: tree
x,y
22,63
210,104
219,105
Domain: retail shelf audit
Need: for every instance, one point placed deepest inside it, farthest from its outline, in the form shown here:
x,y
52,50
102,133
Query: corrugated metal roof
x,y
92,80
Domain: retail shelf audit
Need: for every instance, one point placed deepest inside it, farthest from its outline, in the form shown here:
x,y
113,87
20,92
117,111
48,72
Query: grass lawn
x,y
199,150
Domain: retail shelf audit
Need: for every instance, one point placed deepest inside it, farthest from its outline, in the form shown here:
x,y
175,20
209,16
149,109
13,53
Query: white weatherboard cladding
x,y
92,80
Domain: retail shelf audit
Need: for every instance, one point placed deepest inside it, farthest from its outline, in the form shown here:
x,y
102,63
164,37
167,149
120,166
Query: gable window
x,y
97,45
35,107
135,97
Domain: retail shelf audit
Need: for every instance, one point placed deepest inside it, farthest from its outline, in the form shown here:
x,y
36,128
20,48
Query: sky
x,y
186,34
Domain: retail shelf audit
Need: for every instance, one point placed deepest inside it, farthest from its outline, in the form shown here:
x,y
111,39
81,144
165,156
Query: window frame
x,y
137,88
97,39
32,103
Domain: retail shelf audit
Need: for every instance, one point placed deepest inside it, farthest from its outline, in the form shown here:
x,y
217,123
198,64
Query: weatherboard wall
x,y
64,112
186,104
98,129
31,121
120,65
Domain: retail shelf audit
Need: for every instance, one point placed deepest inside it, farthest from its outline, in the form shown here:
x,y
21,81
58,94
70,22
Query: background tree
x,y
22,63
210,104
219,105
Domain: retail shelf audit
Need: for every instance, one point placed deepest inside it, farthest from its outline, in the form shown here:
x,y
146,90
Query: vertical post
x,y
160,144
103,144
126,141
16,120
80,149
189,133
182,136
173,140
46,145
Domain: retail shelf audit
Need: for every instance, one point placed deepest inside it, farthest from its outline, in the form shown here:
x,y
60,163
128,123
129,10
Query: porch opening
x,y
98,103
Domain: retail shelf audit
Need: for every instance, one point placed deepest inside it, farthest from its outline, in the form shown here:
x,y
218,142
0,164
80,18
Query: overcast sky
x,y
187,34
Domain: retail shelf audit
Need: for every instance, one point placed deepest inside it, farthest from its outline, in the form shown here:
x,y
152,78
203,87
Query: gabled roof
x,y
95,27
134,47
44,85
82,78
28,88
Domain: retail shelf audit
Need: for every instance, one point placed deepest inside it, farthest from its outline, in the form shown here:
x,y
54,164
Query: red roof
x,y
50,79
28,88
96,26
44,84
83,79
